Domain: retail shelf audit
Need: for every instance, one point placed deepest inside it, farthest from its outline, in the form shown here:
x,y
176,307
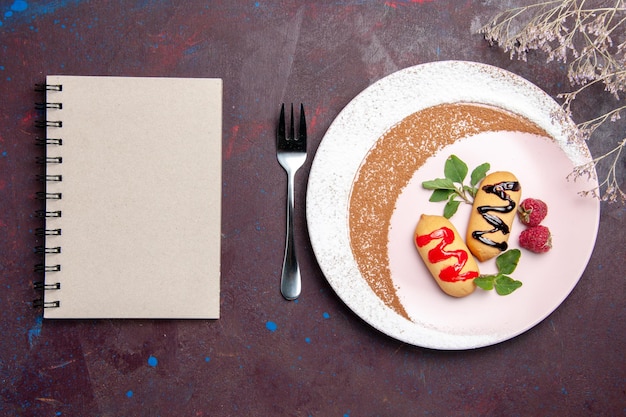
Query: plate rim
x,y
382,115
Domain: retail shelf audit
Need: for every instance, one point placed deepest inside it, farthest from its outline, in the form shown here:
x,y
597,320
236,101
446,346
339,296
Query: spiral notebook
x,y
133,197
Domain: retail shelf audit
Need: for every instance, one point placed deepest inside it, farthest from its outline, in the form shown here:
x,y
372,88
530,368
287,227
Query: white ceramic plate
x,y
435,319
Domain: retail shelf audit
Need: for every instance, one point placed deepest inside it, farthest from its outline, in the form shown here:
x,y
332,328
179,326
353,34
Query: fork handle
x,y
290,281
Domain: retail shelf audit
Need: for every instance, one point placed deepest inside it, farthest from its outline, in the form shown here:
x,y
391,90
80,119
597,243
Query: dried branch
x,y
586,34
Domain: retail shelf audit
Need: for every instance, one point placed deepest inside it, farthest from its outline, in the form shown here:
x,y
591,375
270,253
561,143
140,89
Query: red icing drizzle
x,y
439,253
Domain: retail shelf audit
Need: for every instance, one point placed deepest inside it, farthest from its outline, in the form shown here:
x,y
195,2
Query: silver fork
x,y
291,154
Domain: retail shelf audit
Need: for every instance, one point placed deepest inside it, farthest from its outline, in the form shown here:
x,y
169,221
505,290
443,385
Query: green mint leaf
x,y
451,207
440,195
485,282
479,173
505,285
452,187
507,261
439,183
455,169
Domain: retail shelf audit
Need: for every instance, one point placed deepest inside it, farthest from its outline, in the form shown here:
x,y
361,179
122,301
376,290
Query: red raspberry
x,y
536,239
532,211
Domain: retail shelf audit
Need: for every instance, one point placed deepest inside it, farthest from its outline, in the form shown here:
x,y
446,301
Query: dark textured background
x,y
266,356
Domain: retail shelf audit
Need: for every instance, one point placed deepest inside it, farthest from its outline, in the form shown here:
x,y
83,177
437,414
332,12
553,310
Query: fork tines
x,y
289,141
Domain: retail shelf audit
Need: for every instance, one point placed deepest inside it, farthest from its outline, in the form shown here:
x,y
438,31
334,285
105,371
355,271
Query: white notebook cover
x,y
141,197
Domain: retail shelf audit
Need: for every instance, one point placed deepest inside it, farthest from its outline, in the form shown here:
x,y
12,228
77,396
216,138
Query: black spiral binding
x,y
45,195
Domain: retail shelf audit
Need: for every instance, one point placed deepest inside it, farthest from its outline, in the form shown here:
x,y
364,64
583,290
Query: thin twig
x,y
564,29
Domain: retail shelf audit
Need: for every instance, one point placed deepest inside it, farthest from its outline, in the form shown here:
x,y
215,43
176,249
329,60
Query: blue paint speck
x,y
19,6
564,391
152,361
326,315
34,9
35,331
271,326
307,339
207,359
129,393
192,50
